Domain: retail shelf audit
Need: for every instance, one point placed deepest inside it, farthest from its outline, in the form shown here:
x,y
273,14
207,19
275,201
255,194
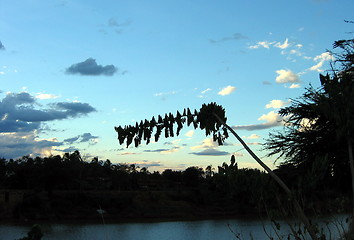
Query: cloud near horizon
x,y
89,67
209,149
85,137
21,121
211,152
146,163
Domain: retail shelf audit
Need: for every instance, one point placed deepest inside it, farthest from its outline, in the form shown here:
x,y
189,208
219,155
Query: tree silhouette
x,y
210,118
320,124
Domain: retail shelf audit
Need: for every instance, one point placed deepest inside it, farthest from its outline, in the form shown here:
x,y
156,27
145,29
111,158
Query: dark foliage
x,y
205,119
67,187
319,128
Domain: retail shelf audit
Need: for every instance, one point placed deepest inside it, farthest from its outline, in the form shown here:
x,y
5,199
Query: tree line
x,y
247,188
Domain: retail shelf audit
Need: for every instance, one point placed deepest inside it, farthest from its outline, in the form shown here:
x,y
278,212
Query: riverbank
x,y
135,206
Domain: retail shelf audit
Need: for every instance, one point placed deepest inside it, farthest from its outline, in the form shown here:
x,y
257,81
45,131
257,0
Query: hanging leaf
x,y
220,140
166,132
226,134
178,115
195,124
153,122
160,119
129,139
158,133
136,141
170,128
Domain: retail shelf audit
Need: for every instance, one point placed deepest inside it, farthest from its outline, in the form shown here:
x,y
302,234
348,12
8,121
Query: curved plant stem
x,y
299,211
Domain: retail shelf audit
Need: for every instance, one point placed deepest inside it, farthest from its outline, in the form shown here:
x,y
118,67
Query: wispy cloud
x,y
204,92
165,95
284,45
211,152
164,150
114,25
85,137
112,22
146,163
294,85
235,36
268,44
266,83
89,67
252,136
162,94
264,44
190,133
227,90
128,153
2,47
320,60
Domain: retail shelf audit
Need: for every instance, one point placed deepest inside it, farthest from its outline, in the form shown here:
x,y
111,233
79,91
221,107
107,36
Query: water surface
x,y
186,230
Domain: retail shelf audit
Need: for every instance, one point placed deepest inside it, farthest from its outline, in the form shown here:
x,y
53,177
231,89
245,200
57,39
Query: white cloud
x,y
207,143
164,93
46,96
295,85
227,90
267,44
203,93
264,44
326,56
206,90
321,59
284,45
252,136
272,119
190,133
286,76
317,67
276,104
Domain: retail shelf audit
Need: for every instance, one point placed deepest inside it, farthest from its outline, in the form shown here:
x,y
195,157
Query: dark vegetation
x,y
66,187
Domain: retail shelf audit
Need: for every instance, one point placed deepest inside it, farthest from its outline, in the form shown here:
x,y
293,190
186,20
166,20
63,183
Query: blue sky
x,y
72,70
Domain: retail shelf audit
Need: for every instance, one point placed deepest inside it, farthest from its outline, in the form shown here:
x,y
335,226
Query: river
x,y
223,229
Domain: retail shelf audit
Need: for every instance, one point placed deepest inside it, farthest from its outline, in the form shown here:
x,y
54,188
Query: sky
x,y
70,71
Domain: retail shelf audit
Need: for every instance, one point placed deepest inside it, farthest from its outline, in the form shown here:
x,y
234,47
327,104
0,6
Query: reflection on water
x,y
187,230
